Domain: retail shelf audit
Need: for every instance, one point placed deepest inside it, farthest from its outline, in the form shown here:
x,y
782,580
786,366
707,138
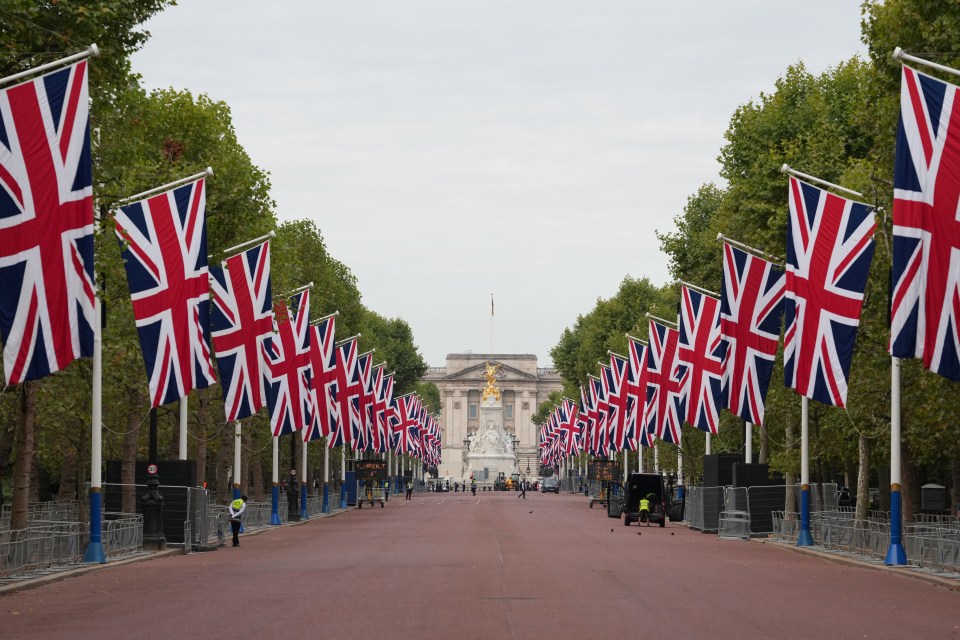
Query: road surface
x,y
495,567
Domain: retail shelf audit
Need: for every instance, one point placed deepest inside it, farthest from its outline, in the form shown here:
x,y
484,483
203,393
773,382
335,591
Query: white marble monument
x,y
490,451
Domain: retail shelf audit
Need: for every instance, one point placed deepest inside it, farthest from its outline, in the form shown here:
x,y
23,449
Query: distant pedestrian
x,y
473,486
523,490
409,489
237,507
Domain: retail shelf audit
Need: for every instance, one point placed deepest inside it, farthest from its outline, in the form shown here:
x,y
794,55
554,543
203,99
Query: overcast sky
x,y
448,149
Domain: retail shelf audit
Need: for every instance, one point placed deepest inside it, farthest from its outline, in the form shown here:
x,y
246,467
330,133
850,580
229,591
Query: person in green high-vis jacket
x,y
237,507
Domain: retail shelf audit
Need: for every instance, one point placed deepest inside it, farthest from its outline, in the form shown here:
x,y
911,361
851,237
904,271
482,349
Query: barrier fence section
x,y
41,546
932,542
53,511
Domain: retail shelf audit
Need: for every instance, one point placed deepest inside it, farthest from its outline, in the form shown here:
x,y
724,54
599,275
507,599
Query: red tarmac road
x,y
495,567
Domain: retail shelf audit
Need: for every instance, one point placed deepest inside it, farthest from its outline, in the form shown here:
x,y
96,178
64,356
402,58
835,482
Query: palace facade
x,y
523,386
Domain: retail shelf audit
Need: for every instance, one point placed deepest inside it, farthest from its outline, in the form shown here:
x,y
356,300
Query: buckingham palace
x,y
523,385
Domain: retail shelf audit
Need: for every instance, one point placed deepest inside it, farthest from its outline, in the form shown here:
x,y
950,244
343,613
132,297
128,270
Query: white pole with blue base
x,y
896,555
804,539
326,477
94,551
343,478
304,514
275,490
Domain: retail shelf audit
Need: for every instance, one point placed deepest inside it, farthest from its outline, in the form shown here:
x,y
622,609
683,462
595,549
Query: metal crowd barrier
x,y
932,542
53,511
122,534
41,546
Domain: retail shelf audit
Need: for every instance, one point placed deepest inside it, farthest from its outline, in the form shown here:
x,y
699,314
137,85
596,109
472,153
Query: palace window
x,y
473,410
509,409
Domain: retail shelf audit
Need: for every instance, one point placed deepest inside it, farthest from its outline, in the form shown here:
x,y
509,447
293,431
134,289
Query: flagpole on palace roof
x,y
170,185
745,247
900,55
672,325
785,168
705,292
491,323
93,50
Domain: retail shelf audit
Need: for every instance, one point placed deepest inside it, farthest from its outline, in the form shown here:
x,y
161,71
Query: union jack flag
x,y
383,409
346,371
751,311
163,242
362,401
585,415
829,249
925,304
242,319
376,435
46,224
288,367
637,395
665,406
406,420
323,382
599,408
618,403
701,348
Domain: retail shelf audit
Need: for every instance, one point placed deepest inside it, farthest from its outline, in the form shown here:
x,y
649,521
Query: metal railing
x,y
41,546
122,534
932,542
54,511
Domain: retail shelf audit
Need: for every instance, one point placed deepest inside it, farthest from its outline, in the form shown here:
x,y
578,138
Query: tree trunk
x,y
256,484
790,477
202,429
7,431
69,485
764,445
863,478
955,490
128,463
37,479
224,460
910,490
24,460
883,477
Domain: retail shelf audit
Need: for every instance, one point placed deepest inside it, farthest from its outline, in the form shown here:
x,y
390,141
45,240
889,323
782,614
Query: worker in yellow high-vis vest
x,y
644,510
237,507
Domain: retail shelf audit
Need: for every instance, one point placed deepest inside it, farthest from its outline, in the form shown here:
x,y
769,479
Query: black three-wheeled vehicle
x,y
640,485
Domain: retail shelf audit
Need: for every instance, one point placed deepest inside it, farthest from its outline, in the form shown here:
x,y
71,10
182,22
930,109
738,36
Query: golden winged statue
x,y
491,389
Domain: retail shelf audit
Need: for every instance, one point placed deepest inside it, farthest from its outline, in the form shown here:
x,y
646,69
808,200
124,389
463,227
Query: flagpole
x,y
183,427
699,289
243,245
326,477
343,472
237,449
896,555
748,443
170,185
707,450
309,285
806,176
94,551
304,489
752,250
91,51
900,55
804,539
275,486
491,323
666,323
326,317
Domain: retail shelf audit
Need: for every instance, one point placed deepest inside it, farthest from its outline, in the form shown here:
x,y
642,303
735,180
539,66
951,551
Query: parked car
x,y
551,483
